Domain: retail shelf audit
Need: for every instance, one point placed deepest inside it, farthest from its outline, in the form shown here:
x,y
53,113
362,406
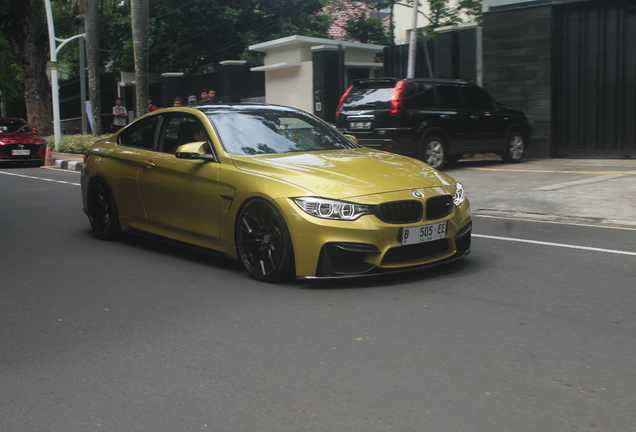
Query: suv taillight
x,y
397,102
344,96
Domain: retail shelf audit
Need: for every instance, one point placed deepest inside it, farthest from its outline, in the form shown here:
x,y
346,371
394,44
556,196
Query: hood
x,y
341,174
21,138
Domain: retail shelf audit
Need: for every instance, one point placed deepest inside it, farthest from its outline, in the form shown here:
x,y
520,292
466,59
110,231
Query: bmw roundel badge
x,y
417,194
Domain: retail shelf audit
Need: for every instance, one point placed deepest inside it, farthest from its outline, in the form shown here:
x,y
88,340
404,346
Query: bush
x,y
77,143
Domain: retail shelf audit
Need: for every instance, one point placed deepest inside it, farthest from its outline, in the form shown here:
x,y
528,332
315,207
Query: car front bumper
x,y
368,246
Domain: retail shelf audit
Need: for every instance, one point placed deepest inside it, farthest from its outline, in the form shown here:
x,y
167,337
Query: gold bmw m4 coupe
x,y
277,189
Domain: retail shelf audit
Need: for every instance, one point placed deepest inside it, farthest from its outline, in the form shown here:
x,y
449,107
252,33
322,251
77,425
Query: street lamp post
x,y
55,89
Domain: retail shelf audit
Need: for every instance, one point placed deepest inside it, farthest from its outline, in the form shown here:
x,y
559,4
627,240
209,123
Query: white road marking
x,y
578,182
39,178
529,219
593,249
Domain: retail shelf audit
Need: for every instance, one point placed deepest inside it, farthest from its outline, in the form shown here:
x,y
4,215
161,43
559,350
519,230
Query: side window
x,y
426,97
477,99
179,131
449,97
140,134
419,96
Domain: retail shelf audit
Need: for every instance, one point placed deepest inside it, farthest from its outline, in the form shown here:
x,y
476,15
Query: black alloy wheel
x,y
263,242
515,148
102,210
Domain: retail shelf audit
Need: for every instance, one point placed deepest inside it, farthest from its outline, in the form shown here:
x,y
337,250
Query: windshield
x,y
268,131
12,126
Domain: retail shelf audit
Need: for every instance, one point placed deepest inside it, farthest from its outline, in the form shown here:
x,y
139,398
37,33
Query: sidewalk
x,y
588,191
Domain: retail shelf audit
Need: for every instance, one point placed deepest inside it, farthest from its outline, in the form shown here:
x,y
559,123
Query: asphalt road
x,y
534,331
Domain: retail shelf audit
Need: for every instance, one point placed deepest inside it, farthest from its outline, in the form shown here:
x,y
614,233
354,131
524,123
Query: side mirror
x,y
501,106
352,138
194,151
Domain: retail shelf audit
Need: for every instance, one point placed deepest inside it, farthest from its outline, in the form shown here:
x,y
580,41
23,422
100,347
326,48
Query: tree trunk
x,y
24,28
139,11
91,24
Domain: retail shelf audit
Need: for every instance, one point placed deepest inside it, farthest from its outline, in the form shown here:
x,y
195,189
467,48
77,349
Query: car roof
x,y
12,119
243,106
365,81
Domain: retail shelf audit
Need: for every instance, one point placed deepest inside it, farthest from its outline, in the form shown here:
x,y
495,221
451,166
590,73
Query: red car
x,y
20,143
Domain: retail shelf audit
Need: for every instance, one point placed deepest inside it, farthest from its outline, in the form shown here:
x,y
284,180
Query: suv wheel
x,y
515,147
434,152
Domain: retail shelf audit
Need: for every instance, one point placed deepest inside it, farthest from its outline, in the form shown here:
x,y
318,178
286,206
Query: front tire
x,y
434,152
515,148
263,242
102,210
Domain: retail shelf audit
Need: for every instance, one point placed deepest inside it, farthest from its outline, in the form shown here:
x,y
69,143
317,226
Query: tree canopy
x,y
195,35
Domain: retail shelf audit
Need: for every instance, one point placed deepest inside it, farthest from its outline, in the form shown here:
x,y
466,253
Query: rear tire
x,y
102,210
434,152
515,148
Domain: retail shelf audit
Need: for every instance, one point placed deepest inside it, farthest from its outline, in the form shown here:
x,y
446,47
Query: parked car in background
x,y
20,143
434,120
276,188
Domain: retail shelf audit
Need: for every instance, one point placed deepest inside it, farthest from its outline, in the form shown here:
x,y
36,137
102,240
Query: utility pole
x,y
55,88
413,42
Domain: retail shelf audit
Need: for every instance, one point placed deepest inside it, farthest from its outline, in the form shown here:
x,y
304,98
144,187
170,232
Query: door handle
x,y
445,116
474,117
148,164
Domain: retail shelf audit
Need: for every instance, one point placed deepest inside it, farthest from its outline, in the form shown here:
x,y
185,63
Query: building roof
x,y
290,40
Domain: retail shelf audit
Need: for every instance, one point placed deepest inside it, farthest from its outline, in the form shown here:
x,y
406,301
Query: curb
x,y
69,165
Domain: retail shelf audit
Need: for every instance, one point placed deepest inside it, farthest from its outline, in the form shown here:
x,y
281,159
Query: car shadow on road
x,y
182,251
479,261
449,270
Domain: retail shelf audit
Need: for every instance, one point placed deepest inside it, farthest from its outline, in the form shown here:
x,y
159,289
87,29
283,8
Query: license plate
x,y
423,233
20,152
360,125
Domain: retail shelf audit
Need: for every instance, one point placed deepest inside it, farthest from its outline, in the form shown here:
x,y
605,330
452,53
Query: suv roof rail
x,y
374,80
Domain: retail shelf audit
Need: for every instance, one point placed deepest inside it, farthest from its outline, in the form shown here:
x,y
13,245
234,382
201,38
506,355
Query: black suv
x,y
434,120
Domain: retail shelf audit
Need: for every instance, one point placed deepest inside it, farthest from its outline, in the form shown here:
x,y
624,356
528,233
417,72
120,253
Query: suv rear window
x,y
370,96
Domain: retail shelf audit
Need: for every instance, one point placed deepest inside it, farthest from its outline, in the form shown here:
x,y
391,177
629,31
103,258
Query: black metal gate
x,y
594,66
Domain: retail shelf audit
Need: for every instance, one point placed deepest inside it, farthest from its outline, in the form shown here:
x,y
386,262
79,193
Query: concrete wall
x,y
291,86
517,70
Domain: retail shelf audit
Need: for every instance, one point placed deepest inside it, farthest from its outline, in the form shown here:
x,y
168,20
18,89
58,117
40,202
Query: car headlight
x,y
331,209
459,197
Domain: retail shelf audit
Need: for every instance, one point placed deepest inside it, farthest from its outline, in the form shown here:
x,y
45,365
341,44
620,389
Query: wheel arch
x,y
522,129
281,213
427,133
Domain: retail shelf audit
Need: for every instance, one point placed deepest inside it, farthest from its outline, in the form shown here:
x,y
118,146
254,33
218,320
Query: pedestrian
x,y
177,102
151,107
205,97
211,97
119,116
192,100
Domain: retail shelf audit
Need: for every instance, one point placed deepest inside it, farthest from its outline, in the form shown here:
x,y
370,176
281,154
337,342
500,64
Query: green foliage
x,y
77,143
472,8
193,35
442,14
10,78
368,30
